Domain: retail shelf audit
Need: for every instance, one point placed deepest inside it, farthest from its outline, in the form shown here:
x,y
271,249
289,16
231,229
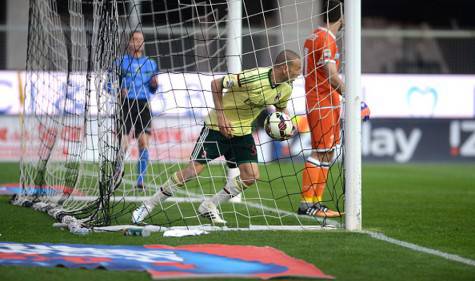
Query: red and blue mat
x,y
162,262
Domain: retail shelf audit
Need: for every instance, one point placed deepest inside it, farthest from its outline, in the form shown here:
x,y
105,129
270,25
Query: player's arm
x,y
223,122
334,78
328,56
154,79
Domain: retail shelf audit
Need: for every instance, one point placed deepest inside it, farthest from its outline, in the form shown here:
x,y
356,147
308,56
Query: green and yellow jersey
x,y
245,95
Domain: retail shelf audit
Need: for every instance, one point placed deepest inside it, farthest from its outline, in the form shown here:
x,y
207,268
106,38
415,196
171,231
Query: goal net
x,y
92,154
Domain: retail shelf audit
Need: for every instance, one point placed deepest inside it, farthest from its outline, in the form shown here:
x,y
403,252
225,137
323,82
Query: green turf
x,y
278,182
277,188
430,205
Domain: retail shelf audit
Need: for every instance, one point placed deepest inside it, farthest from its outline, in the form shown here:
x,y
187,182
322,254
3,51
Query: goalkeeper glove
x,y
365,112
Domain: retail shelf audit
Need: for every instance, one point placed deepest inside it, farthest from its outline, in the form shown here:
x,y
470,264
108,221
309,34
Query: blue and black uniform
x,y
135,76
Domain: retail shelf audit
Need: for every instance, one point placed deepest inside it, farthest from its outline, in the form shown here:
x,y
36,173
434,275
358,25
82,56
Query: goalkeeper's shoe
x,y
140,187
208,210
319,210
139,214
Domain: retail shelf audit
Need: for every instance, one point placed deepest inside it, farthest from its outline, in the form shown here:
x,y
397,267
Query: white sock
x,y
166,190
232,173
231,189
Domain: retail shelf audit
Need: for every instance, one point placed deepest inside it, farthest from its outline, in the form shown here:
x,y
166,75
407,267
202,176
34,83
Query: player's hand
x,y
224,126
153,83
365,112
123,93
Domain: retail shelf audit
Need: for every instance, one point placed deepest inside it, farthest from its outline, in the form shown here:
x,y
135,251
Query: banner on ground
x,y
164,262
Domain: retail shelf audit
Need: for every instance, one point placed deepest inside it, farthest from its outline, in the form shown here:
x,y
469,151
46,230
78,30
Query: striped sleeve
x,y
230,80
252,76
329,51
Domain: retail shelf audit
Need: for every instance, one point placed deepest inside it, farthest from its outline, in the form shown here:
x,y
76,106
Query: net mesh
x,y
75,148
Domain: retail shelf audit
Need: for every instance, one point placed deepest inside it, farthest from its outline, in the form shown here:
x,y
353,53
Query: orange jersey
x,y
319,49
323,102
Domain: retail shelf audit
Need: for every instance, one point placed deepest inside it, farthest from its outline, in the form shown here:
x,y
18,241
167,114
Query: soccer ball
x,y
278,126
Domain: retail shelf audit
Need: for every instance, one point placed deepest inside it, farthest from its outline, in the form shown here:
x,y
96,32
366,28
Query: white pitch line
x,y
375,235
421,249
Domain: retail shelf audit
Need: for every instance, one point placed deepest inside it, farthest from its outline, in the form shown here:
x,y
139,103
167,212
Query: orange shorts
x,y
324,122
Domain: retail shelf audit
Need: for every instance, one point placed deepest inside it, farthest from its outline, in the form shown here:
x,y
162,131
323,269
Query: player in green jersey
x,y
238,100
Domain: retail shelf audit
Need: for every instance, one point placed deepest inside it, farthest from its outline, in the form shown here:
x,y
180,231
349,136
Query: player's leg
x,y
325,153
143,160
142,130
249,173
205,150
244,151
166,190
175,181
233,172
324,127
310,174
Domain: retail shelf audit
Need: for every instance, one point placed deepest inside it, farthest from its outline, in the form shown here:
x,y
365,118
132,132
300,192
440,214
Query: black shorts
x,y
212,144
135,113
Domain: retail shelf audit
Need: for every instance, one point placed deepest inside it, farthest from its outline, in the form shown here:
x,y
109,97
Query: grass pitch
x,y
429,205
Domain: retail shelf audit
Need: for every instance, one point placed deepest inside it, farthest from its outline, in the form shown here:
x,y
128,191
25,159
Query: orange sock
x,y
309,182
322,182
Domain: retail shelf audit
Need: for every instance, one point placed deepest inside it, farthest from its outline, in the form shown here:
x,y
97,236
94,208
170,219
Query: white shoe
x,y
139,214
236,199
208,210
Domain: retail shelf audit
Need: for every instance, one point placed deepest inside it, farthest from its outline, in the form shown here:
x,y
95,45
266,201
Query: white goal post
x,y
353,208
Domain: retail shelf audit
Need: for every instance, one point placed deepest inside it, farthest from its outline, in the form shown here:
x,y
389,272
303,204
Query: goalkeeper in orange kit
x,y
324,89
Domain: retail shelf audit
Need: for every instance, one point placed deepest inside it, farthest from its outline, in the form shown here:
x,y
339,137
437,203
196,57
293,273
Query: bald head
x,y
286,66
288,57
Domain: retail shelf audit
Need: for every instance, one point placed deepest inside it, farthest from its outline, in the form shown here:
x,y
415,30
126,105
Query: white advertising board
x,y
189,94
420,96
